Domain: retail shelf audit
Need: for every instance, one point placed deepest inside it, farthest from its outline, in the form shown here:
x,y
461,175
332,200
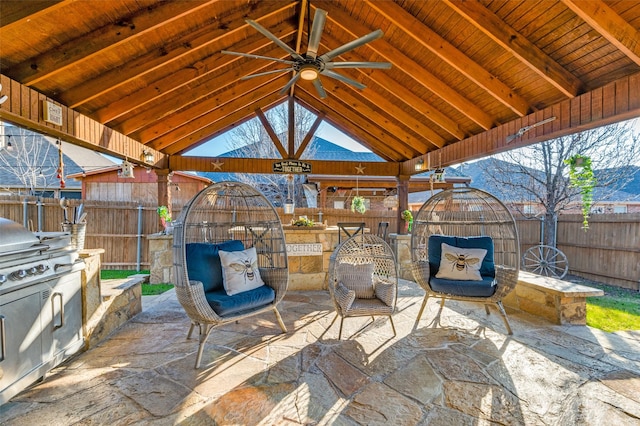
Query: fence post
x,y
39,214
139,248
25,213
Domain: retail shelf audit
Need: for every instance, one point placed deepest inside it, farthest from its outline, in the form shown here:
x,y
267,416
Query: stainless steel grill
x,y
40,304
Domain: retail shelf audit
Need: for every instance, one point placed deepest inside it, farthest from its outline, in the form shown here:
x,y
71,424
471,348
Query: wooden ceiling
x,y
465,76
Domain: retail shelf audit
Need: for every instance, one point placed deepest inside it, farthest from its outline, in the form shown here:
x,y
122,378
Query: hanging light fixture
x,y
147,156
419,165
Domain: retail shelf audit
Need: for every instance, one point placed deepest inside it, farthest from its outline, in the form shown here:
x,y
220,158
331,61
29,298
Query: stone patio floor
x,y
458,367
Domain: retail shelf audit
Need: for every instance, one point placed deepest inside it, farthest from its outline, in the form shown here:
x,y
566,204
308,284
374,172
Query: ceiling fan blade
x,y
379,65
246,77
251,55
319,20
265,32
341,77
351,45
318,85
290,83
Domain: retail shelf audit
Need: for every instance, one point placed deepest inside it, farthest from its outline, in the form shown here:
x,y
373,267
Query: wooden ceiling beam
x,y
614,102
156,60
518,45
197,92
609,24
109,37
309,136
339,17
412,122
164,90
234,99
385,141
203,107
348,128
272,133
358,100
224,123
430,40
265,165
18,12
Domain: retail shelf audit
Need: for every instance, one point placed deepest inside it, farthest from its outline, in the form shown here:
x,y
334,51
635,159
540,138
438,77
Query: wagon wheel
x,y
545,260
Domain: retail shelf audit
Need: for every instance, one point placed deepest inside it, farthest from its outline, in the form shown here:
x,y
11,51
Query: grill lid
x,y
15,237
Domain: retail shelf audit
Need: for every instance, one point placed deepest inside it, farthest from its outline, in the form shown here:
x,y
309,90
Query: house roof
x,y
466,79
76,160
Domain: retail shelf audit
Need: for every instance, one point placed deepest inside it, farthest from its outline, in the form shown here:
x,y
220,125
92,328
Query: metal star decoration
x,y
360,169
217,165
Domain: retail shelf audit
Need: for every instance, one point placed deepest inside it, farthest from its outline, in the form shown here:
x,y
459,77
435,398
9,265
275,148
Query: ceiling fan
x,y
309,66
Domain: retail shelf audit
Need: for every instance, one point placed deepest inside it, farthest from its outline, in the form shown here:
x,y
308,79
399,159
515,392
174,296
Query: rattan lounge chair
x,y
363,278
228,217
465,246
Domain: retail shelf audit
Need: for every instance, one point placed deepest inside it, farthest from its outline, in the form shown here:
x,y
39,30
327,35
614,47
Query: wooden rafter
x,y
409,67
184,47
239,101
610,25
164,90
309,136
519,46
19,12
272,133
431,41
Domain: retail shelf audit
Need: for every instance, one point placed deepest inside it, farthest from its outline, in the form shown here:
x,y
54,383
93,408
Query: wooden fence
x,y
608,252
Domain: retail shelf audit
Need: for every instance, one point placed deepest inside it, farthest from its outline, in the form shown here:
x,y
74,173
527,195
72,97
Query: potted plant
x,y
581,176
407,216
357,204
165,219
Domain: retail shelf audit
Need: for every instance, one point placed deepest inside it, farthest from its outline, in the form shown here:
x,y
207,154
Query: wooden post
x,y
403,200
164,195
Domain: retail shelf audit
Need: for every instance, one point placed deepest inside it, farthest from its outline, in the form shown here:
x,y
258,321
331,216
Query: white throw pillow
x,y
461,263
240,271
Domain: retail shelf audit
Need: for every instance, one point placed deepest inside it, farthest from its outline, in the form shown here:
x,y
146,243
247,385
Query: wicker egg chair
x,y
363,279
451,232
228,217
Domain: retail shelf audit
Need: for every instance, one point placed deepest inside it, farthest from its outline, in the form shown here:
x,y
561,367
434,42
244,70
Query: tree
x,y
28,159
538,174
252,140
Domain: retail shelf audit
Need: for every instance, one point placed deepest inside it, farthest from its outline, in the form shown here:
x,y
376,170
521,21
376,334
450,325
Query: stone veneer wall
x,y
401,246
310,272
160,258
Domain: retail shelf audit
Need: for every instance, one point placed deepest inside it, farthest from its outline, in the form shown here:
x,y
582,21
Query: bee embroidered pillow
x,y
240,271
461,263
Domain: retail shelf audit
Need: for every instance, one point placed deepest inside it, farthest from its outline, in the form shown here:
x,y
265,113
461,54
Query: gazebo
x,y
450,81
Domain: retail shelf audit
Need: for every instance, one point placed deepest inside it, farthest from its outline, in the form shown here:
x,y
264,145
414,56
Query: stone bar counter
x,y
309,249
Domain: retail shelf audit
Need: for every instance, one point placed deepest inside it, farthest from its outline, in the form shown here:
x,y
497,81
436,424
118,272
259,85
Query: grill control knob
x,y
32,271
41,268
3,279
18,275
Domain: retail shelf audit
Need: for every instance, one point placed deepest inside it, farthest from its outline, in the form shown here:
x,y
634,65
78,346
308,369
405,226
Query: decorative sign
x,y
309,249
292,166
52,113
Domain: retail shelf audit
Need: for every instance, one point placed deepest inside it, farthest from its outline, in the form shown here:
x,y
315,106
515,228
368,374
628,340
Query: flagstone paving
x,y
457,367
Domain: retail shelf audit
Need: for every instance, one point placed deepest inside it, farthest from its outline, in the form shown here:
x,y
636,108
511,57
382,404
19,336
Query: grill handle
x,y
53,308
3,341
62,265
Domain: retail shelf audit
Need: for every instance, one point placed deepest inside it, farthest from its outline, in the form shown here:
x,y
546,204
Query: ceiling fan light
x,y
308,73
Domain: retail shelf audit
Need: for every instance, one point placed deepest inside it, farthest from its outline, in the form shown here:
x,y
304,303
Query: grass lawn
x,y
147,289
617,310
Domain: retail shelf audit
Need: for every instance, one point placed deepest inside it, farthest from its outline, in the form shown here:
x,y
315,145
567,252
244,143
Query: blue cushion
x,y
203,262
224,304
488,267
484,288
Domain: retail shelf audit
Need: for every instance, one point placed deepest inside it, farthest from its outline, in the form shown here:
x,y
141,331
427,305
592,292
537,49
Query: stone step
x,y
121,300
